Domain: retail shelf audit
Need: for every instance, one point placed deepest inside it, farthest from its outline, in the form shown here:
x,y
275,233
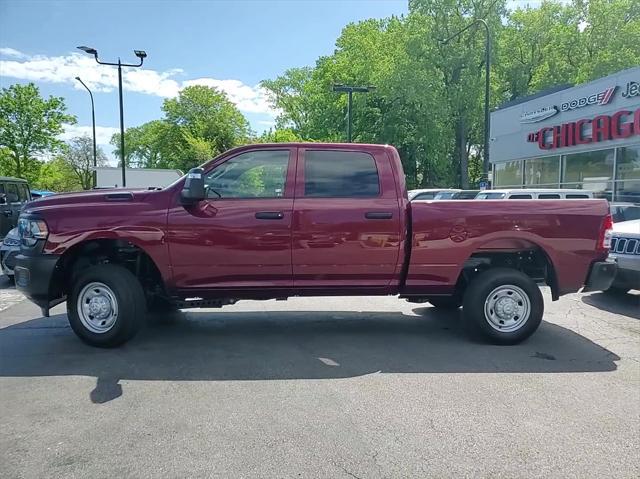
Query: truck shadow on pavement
x,y
627,304
226,346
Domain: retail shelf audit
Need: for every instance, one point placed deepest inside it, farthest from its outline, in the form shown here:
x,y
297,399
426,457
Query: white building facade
x,y
586,137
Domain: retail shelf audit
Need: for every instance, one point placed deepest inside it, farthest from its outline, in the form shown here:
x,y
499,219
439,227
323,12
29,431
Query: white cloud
x,y
103,133
11,52
100,78
246,98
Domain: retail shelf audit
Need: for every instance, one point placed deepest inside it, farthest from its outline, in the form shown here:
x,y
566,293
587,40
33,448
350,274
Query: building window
x,y
542,171
628,174
589,167
628,167
508,173
590,170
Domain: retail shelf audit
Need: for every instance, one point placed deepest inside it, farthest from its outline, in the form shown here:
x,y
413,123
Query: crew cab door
x,y
240,235
346,229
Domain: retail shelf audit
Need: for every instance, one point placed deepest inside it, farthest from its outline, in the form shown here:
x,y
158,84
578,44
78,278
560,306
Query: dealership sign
x,y
600,98
621,124
538,115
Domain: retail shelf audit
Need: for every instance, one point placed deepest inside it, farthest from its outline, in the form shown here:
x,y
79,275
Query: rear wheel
x,y
106,306
504,305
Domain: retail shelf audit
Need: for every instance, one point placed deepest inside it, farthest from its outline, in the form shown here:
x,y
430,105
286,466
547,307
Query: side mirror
x,y
3,198
193,189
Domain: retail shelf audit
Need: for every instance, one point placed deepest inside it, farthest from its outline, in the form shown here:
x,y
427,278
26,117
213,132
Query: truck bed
x,y
445,234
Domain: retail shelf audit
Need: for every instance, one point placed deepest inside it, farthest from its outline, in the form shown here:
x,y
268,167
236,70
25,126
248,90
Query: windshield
x,y
625,213
490,196
444,195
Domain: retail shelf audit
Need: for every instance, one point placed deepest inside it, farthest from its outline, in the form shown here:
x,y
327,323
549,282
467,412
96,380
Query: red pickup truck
x,y
274,221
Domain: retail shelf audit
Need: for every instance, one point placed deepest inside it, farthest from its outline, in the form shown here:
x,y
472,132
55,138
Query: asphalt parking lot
x,y
326,387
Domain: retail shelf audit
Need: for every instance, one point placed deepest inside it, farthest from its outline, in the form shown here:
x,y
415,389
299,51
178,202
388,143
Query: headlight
x,y
32,230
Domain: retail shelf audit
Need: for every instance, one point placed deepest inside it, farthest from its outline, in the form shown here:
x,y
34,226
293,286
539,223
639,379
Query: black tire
x,y
130,299
479,291
446,302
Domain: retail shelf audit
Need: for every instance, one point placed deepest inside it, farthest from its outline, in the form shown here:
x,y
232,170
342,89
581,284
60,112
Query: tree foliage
x,y
79,157
198,124
429,98
29,129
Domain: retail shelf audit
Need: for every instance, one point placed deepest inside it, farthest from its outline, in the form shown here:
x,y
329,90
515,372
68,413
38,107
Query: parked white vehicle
x,y
111,177
534,194
625,250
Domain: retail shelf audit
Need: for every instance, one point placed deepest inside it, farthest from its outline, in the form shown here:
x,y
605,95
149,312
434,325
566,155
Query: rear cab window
x,y
340,174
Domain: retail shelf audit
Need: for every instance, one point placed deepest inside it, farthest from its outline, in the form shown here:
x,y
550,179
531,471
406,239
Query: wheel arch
x,y
107,250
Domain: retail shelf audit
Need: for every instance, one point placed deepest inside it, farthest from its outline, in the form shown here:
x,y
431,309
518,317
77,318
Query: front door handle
x,y
378,215
269,215
8,213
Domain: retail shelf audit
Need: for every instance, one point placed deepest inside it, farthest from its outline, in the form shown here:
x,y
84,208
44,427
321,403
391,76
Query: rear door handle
x,y
8,213
378,215
269,215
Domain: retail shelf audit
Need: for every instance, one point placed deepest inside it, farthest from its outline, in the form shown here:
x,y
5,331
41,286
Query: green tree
x,y
79,158
29,127
198,124
57,175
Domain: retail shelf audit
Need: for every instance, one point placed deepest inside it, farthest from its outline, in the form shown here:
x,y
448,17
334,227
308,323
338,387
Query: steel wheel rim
x,y
97,307
507,308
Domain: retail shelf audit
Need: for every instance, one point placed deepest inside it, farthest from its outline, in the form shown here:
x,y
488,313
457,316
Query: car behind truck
x,y
274,221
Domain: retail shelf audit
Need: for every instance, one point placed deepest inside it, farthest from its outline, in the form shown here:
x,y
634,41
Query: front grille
x,y
622,245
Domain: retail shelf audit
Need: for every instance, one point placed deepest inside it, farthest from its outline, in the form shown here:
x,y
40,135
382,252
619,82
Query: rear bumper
x,y
33,278
601,276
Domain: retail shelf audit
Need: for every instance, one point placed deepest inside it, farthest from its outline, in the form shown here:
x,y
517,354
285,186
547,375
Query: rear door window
x,y
520,197
572,196
340,174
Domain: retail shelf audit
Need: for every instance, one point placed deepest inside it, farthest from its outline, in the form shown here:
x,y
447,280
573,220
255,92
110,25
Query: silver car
x,y
9,249
625,250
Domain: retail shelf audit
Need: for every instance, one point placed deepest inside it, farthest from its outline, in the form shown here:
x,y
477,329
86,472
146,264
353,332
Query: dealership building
x,y
586,136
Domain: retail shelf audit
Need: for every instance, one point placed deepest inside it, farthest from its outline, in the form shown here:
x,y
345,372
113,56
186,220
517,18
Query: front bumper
x,y
628,275
33,279
601,276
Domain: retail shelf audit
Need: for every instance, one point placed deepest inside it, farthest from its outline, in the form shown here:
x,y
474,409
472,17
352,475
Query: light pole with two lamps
x,y
141,54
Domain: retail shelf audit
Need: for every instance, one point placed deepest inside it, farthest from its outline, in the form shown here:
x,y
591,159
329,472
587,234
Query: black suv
x,y
14,193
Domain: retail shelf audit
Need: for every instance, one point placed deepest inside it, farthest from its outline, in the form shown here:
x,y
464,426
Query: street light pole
x,y
487,85
93,122
141,54
349,91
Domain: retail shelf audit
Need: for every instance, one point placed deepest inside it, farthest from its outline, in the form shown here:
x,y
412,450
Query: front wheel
x,y
106,306
504,305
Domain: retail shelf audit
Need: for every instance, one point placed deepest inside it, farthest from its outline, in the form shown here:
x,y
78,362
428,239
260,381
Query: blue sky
x,y
230,44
